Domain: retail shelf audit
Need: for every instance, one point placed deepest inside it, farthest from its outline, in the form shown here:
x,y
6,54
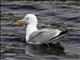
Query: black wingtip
x,y
64,32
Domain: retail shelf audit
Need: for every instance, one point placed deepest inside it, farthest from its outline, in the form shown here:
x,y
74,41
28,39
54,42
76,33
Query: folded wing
x,y
43,36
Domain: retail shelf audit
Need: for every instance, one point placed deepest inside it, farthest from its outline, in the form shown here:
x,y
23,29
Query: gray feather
x,y
42,36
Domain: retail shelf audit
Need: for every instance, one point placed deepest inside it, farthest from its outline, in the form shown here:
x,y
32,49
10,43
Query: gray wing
x,y
42,36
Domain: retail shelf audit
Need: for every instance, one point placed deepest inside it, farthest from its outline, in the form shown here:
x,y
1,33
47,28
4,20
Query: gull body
x,y
36,36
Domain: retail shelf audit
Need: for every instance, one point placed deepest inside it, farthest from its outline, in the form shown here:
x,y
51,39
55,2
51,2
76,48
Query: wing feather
x,y
43,36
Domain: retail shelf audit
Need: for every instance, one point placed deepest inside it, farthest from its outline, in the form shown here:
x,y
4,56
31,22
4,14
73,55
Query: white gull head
x,y
31,21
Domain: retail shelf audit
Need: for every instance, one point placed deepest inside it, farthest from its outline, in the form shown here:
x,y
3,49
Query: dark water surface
x,y
61,15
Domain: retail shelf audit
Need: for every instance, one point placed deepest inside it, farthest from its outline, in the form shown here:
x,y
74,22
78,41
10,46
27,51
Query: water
x,y
61,15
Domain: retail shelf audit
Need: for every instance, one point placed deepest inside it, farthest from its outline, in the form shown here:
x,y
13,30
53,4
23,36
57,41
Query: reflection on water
x,y
45,49
50,49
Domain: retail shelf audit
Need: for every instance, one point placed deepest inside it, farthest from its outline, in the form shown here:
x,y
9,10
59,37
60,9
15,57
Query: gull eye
x,y
27,18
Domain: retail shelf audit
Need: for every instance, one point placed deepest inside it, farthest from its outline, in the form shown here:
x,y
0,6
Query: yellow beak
x,y
20,22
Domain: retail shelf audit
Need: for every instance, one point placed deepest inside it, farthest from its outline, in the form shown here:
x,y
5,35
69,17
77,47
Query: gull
x,y
39,36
